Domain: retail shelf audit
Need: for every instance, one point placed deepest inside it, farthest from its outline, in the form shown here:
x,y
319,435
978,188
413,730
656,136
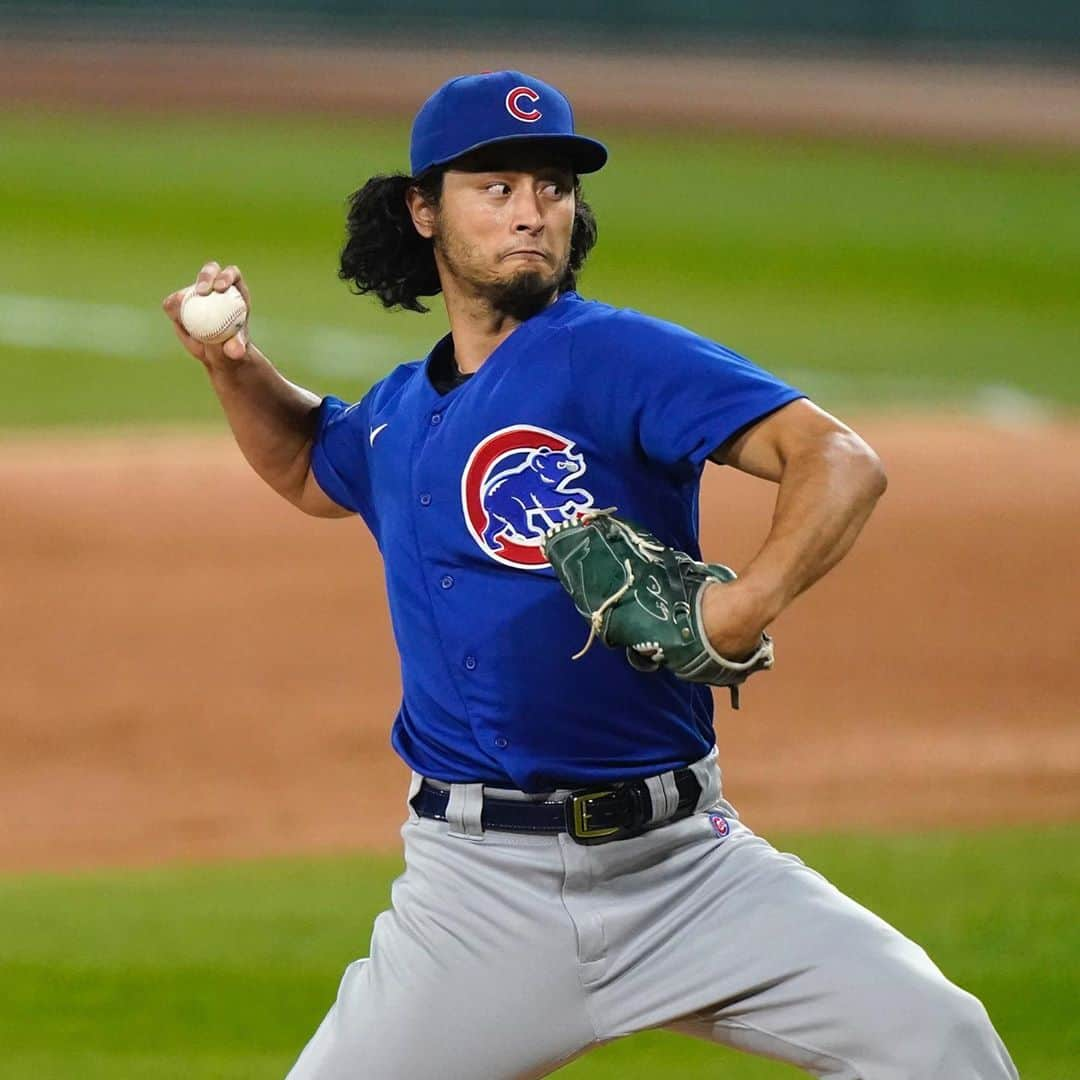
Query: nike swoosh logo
x,y
375,431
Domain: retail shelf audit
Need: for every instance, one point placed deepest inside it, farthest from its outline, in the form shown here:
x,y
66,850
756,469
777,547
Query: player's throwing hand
x,y
211,279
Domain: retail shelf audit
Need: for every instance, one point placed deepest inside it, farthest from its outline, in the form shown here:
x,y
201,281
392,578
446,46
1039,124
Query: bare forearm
x,y
272,419
823,503
828,488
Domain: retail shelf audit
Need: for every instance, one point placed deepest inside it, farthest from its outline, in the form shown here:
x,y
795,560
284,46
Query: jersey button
x,y
502,742
425,499
436,418
470,663
447,582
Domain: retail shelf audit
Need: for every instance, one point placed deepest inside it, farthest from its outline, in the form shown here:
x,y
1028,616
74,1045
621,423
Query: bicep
x,y
314,500
336,481
762,448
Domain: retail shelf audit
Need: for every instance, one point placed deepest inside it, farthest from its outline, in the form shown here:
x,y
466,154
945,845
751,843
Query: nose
x,y
528,212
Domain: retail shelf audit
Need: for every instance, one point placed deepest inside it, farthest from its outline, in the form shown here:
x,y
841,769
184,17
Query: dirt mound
x,y
192,669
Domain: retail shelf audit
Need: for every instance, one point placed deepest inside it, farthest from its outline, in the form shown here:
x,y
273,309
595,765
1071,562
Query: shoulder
x,y
603,333
383,392
334,413
593,320
388,387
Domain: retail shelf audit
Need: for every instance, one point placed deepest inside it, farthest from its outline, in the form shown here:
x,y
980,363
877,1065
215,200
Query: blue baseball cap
x,y
497,107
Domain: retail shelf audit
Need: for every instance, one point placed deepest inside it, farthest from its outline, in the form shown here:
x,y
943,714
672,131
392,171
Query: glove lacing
x,y
596,619
644,548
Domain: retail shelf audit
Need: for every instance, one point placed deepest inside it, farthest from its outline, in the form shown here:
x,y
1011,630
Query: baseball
x,y
213,318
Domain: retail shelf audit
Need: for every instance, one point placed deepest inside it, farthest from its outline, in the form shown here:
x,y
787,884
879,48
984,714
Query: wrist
x,y
733,617
763,596
223,368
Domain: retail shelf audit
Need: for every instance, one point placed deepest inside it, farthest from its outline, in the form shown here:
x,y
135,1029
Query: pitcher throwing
x,y
574,873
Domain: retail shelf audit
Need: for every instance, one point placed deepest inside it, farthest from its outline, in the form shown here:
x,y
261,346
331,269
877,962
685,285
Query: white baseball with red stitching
x,y
213,318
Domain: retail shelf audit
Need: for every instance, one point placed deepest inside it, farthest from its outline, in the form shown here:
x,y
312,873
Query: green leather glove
x,y
639,594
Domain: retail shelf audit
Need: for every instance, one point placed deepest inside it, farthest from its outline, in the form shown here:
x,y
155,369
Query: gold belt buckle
x,y
580,812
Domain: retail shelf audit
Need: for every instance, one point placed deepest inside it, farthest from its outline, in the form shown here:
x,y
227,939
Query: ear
x,y
421,212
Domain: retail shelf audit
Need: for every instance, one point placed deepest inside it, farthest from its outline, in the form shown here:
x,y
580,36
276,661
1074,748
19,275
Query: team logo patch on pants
x,y
719,825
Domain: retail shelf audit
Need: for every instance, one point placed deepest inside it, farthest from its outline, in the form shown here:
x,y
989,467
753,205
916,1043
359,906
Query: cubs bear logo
x,y
517,484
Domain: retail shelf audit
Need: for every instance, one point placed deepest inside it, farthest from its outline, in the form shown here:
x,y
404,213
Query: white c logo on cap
x,y
516,111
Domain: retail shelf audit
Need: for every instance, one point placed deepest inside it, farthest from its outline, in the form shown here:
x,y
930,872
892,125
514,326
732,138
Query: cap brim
x,y
585,155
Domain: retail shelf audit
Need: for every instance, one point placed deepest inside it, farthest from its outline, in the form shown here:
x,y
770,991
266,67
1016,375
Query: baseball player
x,y
574,873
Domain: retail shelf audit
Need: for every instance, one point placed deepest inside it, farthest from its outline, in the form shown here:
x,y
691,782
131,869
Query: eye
x,y
554,190
498,187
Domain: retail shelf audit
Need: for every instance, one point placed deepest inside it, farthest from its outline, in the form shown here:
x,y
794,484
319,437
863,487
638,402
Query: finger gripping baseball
x,y
636,593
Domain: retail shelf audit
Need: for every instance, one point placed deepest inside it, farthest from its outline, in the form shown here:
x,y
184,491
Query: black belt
x,y
590,815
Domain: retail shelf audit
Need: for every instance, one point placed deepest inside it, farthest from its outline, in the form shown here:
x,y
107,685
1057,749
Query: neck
x,y
477,327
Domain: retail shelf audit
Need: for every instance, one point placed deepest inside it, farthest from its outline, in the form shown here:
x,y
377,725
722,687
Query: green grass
x,y
224,971
867,272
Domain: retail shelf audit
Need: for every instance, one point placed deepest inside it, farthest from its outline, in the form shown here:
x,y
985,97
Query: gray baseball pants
x,y
505,955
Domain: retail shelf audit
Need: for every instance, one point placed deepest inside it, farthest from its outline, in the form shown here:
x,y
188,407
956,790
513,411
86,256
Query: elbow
x,y
867,465
882,479
855,464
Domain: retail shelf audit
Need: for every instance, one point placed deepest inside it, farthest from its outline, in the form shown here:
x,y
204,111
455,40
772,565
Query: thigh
x,y
471,973
826,985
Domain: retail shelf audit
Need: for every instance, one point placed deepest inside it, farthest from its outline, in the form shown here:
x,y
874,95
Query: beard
x,y
524,295
521,295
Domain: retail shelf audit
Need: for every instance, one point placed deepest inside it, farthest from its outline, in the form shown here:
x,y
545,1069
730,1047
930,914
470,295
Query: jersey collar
x,y
529,328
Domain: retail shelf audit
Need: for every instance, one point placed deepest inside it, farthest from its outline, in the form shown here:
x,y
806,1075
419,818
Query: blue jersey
x,y
584,405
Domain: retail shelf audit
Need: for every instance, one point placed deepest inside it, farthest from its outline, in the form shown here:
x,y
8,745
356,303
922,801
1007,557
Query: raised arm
x,y
272,419
830,480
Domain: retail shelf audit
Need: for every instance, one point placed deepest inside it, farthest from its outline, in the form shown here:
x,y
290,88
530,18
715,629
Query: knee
x,y
954,1019
948,1035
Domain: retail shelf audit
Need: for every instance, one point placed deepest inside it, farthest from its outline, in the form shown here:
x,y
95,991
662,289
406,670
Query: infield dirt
x,y
995,103
193,669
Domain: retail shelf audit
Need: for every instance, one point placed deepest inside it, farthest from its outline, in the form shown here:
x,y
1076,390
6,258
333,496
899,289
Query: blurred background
x,y
198,802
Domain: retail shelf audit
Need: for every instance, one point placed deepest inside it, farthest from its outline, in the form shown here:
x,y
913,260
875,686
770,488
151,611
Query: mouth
x,y
526,253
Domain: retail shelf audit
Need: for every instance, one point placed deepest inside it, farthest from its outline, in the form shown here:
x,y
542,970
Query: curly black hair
x,y
385,255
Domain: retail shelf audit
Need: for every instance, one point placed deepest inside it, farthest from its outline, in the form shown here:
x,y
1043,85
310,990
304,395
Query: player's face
x,y
504,233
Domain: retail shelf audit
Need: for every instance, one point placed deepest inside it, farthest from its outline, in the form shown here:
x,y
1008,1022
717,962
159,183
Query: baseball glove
x,y
640,594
